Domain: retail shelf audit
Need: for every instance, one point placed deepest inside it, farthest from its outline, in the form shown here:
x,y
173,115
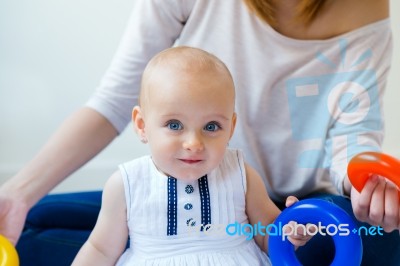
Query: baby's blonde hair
x,y
185,59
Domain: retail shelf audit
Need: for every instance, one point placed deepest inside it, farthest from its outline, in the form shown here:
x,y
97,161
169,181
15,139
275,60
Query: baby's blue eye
x,y
212,127
174,125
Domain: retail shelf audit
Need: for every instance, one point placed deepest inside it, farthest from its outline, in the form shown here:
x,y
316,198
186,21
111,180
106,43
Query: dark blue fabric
x,y
59,224
56,228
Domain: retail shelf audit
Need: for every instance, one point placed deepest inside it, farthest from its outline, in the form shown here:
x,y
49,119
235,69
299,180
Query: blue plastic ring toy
x,y
348,244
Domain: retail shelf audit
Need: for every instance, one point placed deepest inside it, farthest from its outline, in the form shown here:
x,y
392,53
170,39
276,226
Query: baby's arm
x,y
259,206
109,237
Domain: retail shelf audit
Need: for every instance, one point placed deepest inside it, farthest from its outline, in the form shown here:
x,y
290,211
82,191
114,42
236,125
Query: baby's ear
x,y
138,123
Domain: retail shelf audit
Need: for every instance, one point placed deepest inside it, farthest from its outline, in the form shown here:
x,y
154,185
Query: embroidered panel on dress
x,y
172,207
205,202
173,204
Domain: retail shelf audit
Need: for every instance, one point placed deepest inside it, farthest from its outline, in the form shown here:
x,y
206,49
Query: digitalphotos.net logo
x,y
252,230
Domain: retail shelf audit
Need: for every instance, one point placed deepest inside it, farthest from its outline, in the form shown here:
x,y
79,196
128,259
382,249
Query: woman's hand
x,y
377,204
13,212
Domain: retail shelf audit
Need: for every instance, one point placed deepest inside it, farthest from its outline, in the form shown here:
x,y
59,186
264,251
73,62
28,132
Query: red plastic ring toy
x,y
364,164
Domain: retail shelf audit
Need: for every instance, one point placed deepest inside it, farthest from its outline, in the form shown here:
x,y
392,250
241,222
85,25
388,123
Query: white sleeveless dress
x,y
173,222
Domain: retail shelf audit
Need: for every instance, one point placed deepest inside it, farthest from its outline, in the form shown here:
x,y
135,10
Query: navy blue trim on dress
x,y
205,202
172,207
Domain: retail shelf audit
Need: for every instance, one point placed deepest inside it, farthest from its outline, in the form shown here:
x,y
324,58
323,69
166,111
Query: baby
x,y
178,204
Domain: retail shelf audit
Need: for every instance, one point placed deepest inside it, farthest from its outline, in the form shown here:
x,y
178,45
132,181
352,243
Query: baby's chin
x,y
188,172
188,177
184,174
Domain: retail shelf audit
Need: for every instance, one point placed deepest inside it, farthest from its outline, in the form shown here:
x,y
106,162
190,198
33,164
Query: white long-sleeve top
x,y
304,107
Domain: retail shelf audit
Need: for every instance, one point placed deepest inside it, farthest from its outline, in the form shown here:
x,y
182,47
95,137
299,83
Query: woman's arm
x,y
79,138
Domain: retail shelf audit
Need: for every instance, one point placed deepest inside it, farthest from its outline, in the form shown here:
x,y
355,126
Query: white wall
x,y
392,95
53,54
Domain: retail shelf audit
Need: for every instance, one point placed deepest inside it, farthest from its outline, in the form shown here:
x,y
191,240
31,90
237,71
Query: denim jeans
x,y
59,224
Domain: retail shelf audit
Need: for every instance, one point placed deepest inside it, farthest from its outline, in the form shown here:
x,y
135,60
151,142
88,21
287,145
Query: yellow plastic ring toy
x,y
8,254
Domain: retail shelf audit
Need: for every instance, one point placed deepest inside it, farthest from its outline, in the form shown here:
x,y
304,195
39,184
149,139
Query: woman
x,y
292,61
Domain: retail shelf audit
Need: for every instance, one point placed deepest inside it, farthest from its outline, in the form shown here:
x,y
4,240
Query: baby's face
x,y
189,119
